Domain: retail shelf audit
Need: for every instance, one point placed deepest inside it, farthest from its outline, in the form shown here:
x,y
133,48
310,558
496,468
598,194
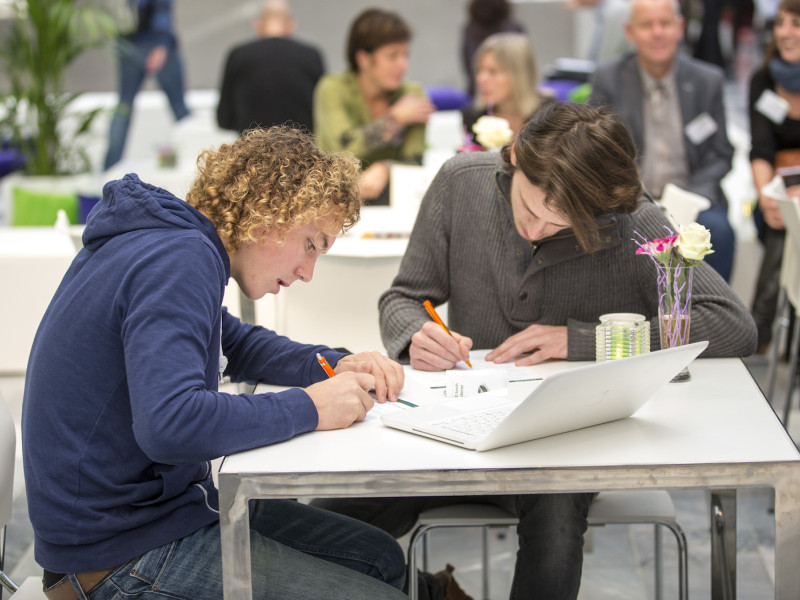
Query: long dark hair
x,y
584,159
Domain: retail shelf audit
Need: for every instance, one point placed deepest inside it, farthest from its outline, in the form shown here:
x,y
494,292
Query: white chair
x,y
682,206
31,588
627,507
789,295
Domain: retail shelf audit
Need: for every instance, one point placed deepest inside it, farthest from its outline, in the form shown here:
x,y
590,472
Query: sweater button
x,y
523,296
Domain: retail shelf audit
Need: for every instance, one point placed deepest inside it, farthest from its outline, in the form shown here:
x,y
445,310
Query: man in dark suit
x,y
672,105
271,80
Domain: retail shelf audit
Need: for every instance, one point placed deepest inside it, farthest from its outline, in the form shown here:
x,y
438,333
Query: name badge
x,y
699,129
772,106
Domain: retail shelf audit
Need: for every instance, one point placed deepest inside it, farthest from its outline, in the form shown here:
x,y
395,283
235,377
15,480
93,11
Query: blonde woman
x,y
507,80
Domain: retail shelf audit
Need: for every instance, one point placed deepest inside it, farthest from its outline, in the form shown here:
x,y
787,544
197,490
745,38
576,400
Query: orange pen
x,y
432,312
324,364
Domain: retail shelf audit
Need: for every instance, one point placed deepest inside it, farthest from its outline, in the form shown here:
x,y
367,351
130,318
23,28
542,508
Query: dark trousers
x,y
550,531
765,301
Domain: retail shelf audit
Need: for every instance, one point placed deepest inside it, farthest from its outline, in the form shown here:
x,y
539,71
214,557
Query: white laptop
x,y
565,401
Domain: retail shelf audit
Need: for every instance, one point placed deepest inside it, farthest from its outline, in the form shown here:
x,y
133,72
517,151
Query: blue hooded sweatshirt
x,y
121,412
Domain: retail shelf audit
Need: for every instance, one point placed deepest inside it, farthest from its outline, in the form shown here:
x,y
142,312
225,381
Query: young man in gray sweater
x,y
529,248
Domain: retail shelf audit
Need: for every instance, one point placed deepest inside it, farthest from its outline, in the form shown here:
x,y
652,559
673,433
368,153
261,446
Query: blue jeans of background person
x,y
298,552
715,219
131,72
551,527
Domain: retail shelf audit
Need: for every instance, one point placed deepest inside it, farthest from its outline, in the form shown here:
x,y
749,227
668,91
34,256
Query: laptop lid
x,y
568,400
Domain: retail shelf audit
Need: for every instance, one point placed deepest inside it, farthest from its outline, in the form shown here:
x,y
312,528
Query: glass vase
x,y
674,309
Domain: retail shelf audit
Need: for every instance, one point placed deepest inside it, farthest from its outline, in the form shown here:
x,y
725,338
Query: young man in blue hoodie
x,y
122,412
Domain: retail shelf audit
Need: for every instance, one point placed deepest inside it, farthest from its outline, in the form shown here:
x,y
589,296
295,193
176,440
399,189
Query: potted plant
x,y
43,41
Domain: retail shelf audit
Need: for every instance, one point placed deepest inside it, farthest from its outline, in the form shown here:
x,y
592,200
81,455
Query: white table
x,y
33,261
716,432
347,283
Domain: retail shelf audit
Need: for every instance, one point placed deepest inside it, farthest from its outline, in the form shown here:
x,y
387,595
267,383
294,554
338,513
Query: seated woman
x,y
775,143
507,81
369,110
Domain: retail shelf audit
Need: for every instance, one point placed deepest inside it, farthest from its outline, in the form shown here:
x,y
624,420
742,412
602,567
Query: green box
x,y
40,207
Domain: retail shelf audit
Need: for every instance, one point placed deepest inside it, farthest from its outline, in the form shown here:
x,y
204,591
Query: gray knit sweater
x,y
465,250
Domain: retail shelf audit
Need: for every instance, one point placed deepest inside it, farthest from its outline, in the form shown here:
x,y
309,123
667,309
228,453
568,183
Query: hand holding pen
x,y
435,348
341,399
389,375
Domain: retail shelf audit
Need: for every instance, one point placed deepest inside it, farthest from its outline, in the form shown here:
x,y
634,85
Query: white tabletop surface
x,y
34,242
720,417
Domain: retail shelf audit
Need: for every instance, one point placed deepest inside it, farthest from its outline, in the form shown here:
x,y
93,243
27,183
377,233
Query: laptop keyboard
x,y
476,424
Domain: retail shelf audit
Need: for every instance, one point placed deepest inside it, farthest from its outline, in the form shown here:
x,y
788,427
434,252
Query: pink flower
x,y
657,246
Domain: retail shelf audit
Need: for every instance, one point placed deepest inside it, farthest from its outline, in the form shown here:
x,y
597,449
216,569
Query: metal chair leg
x,y
485,560
790,385
723,512
780,328
683,559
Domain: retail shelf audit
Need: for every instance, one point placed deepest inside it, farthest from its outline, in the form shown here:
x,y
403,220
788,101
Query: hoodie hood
x,y
130,205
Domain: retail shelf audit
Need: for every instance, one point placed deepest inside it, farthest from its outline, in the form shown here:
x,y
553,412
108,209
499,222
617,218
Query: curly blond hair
x,y
273,179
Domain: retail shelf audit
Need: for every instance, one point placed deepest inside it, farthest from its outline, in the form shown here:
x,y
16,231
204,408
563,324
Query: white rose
x,y
694,241
492,132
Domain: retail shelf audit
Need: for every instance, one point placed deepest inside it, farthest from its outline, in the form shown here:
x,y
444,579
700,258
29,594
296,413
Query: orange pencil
x,y
324,364
432,312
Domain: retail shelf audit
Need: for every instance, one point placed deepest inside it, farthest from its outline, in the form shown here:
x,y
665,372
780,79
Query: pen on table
x,y
432,312
324,364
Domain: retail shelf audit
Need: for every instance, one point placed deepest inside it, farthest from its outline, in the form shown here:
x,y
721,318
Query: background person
x,y
556,214
486,17
369,110
270,80
507,81
122,412
775,142
150,50
672,105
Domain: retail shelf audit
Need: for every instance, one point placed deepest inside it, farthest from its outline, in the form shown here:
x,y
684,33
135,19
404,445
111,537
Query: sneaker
x,y
452,591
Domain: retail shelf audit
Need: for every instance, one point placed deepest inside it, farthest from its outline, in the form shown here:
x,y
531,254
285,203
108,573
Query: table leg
x,y
723,544
787,539
234,520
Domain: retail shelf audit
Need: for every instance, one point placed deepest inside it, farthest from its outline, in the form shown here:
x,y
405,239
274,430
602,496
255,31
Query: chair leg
x,y
778,336
683,559
485,560
413,578
721,536
790,385
5,582
659,563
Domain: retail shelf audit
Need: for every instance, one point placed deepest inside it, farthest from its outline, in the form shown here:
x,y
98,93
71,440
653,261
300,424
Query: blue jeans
x,y
550,531
298,552
715,219
131,72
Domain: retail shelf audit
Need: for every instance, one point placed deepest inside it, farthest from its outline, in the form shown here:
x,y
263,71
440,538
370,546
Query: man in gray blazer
x,y
672,105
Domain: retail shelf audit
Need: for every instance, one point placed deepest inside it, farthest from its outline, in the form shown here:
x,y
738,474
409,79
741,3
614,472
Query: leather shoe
x,y
453,591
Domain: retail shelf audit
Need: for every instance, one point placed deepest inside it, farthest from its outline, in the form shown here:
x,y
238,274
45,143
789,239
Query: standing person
x,y
270,80
486,17
673,106
369,110
555,214
507,80
122,412
150,50
775,138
